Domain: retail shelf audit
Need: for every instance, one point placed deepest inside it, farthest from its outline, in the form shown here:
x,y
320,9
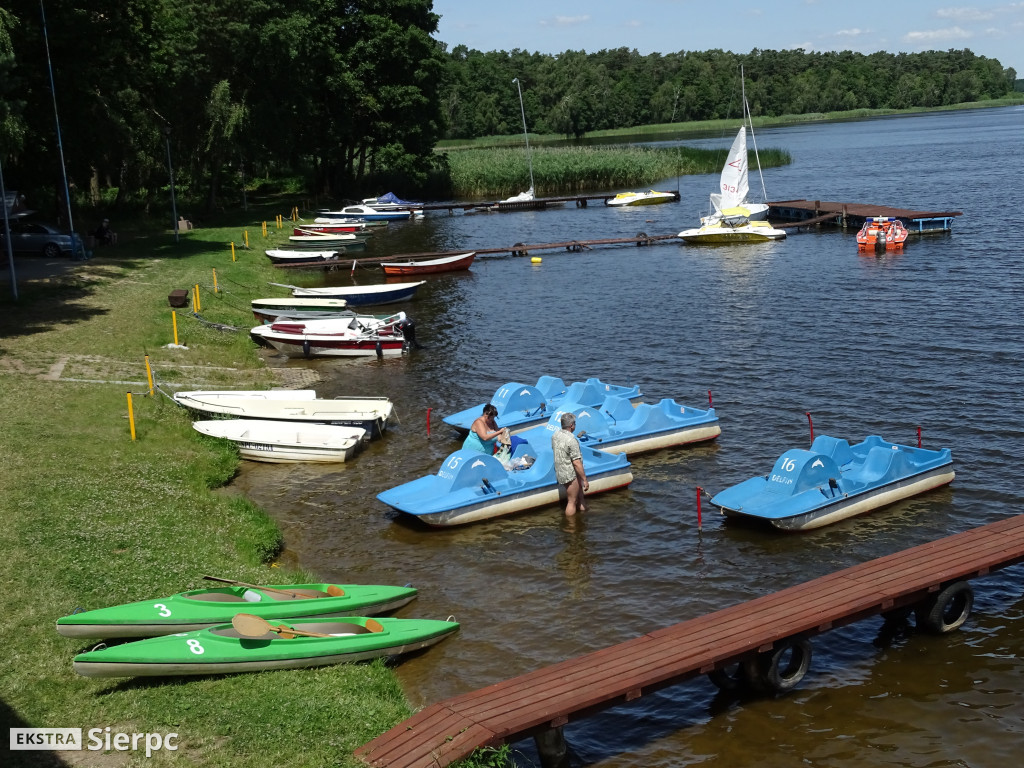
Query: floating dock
x,y
798,213
930,577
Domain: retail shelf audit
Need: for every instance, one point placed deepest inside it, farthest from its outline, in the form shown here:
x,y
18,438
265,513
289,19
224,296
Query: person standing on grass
x,y
569,465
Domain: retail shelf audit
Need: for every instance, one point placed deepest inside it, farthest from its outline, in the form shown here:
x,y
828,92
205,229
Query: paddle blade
x,y
248,625
374,626
333,591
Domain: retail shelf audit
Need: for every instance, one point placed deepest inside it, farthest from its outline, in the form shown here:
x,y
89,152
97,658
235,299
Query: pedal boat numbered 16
x,y
833,481
202,608
223,649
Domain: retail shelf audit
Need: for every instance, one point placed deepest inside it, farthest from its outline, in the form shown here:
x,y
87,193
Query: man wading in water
x,y
569,465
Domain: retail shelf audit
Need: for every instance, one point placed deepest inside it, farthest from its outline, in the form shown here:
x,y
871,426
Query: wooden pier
x,y
756,635
799,213
538,203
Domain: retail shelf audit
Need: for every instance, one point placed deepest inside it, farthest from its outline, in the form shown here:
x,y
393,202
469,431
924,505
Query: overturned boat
x,y
835,480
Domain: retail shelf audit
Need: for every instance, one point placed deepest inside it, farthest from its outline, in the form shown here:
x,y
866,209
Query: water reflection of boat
x,y
882,233
616,426
473,486
834,480
521,406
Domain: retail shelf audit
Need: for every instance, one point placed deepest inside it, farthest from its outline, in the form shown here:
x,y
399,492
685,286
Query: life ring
x,y
947,609
781,669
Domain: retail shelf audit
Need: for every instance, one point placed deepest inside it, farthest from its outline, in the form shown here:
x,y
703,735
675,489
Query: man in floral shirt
x,y
569,465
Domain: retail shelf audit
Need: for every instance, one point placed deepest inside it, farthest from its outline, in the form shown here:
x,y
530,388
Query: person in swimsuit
x,y
484,432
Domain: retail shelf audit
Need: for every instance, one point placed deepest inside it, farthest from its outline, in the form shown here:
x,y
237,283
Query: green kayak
x,y
203,608
224,649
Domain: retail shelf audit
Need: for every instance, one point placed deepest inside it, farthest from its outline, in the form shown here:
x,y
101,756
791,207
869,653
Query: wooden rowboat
x,y
454,263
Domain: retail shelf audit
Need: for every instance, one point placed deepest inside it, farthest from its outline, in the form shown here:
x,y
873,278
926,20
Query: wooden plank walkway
x,y
806,212
553,696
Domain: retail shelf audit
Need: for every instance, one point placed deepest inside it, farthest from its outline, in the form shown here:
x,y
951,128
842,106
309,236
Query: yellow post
x,y
246,236
174,319
233,250
264,229
195,306
215,281
149,375
131,416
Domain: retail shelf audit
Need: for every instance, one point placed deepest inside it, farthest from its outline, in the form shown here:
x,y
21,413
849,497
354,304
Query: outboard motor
x,y
408,329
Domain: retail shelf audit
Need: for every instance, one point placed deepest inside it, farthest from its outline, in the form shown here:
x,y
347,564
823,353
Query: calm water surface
x,y
866,344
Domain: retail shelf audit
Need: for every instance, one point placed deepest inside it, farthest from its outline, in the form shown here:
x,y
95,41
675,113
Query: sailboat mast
x,y
750,124
522,109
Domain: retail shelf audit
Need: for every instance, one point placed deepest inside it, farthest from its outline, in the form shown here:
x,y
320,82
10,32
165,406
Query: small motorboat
x,y
335,225
270,315
316,241
473,486
362,335
296,643
833,481
624,199
285,442
366,213
360,295
454,263
280,256
732,230
370,413
202,608
882,233
617,426
390,202
521,406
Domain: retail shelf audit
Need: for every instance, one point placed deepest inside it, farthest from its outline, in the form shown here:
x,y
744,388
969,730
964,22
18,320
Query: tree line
x,y
352,96
575,93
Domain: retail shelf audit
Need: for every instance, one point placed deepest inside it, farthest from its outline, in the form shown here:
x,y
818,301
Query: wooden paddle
x,y
249,625
332,590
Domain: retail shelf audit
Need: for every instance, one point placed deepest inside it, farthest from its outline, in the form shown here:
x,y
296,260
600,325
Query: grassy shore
x,y
89,518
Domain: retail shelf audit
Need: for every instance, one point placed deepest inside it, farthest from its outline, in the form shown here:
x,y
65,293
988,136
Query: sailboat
x,y
735,219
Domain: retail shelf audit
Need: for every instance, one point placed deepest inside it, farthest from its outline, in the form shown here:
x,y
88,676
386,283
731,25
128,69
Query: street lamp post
x,y
522,109
170,170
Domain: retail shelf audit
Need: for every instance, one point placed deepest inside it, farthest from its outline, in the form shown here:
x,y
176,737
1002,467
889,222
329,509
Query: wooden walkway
x,y
550,697
807,212
539,203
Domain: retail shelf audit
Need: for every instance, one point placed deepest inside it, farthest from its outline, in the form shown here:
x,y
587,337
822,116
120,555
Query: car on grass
x,y
45,239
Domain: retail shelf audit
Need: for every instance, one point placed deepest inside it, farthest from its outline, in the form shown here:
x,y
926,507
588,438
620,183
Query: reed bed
x,y
500,171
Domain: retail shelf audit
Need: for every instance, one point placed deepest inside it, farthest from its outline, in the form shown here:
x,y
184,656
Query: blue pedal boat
x,y
522,406
835,480
472,486
617,426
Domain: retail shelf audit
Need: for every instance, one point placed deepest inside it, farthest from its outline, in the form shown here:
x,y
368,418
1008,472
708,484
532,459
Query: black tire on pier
x,y
947,610
781,669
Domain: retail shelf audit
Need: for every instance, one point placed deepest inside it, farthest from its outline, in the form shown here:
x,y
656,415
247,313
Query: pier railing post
x,y
551,746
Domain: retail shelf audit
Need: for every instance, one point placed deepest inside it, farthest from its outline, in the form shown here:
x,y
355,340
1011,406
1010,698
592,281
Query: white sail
x,y
734,185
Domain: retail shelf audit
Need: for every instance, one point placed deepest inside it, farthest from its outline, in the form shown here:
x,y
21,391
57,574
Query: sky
x,y
992,29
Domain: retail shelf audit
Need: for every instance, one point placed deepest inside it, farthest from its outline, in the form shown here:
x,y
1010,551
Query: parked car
x,y
33,237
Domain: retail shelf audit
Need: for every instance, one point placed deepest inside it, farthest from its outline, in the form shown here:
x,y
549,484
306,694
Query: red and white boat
x,y
336,337
454,263
883,233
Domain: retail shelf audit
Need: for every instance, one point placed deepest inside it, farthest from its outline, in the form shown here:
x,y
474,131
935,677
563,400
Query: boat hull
x,y
370,413
189,611
360,296
285,442
429,267
511,503
716,234
656,442
630,199
324,346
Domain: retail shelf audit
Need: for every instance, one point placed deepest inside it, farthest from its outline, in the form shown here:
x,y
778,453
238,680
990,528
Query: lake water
x,y
867,344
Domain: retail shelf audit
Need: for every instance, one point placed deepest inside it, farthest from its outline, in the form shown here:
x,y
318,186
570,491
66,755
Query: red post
x,y
699,491
709,400
918,437
810,424
428,421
